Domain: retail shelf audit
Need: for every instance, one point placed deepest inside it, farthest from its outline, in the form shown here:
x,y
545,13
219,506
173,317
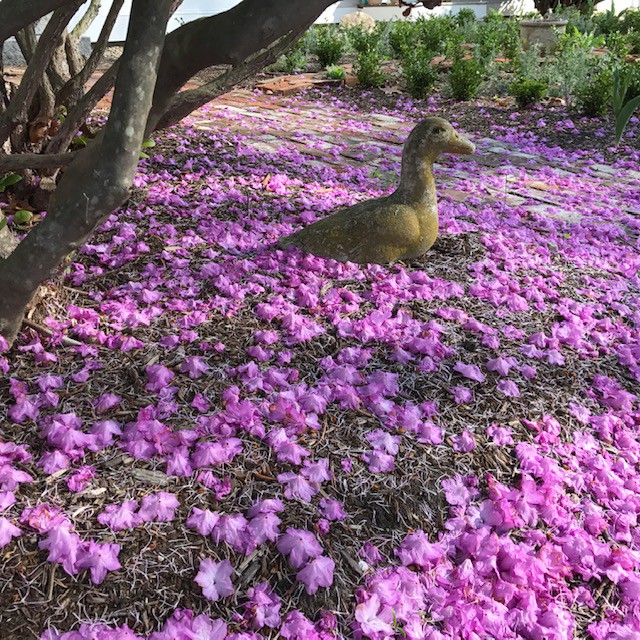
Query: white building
x,y
193,9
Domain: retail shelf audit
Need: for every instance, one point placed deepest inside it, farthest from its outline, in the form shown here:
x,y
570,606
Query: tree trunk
x,y
99,179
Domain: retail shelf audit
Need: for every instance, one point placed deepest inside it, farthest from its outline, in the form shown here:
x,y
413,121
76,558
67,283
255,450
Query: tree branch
x,y
187,101
87,20
74,87
227,38
65,134
20,161
18,108
17,14
99,178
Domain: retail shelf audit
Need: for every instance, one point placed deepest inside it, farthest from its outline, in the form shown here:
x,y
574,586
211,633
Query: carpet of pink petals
x,y
517,559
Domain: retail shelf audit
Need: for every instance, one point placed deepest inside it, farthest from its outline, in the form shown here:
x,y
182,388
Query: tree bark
x,y
17,14
227,38
187,101
17,162
99,179
18,108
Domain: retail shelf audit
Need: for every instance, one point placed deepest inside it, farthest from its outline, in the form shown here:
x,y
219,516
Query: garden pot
x,y
541,32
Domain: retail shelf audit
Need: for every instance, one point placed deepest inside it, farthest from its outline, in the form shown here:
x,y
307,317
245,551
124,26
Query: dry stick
x,y
69,93
45,331
17,112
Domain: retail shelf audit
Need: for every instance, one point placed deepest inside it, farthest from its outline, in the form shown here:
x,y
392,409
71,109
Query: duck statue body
x,y
395,227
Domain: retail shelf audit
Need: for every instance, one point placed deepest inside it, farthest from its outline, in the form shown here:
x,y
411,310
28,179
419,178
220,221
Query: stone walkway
x,y
273,121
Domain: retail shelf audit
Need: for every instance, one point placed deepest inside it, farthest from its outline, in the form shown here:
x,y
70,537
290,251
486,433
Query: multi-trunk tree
x,y
41,116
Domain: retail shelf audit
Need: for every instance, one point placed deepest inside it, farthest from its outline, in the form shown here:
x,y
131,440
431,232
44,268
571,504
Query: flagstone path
x,y
338,137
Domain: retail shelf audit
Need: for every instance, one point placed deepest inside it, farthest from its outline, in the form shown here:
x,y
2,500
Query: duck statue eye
x,y
439,130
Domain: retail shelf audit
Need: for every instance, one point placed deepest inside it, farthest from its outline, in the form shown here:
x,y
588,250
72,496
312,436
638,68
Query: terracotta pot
x,y
541,32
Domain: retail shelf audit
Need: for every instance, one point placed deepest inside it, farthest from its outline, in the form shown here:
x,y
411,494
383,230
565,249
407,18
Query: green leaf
x,y
144,155
22,217
80,140
624,116
148,143
3,222
8,180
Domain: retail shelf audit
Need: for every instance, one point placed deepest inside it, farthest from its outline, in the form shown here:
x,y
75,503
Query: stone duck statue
x,y
395,227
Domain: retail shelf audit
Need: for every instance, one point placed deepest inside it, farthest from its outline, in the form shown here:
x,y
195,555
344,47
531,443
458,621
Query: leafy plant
x,y
403,36
623,107
465,17
329,46
22,217
573,62
363,41
367,69
465,78
593,97
293,60
335,73
9,180
419,74
528,91
435,33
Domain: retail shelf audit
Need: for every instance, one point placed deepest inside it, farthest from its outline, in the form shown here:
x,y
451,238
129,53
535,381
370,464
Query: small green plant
x,y
593,97
367,69
329,46
623,107
528,91
9,180
293,60
147,144
419,74
465,78
335,73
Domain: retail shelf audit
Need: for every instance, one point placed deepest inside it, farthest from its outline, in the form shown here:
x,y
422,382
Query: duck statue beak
x,y
460,144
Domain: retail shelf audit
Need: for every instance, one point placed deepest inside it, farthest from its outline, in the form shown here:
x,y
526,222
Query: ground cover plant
x,y
256,442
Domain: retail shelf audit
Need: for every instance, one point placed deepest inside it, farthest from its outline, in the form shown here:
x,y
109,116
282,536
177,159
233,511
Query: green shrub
x,y
630,21
593,98
367,69
465,17
363,41
329,46
606,22
419,74
573,61
632,72
434,33
465,78
403,36
623,104
491,35
527,91
335,73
